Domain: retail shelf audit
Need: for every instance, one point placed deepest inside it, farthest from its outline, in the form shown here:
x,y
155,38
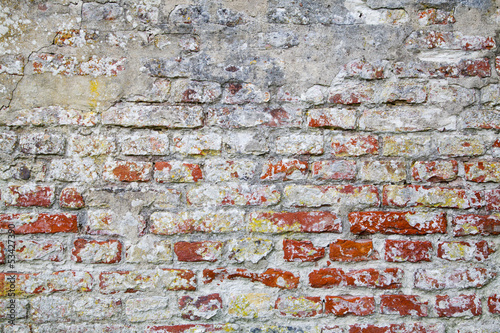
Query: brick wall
x,y
261,166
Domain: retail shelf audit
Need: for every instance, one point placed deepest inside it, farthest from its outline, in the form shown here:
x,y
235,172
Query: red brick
x,y
299,307
96,252
440,278
494,304
466,251
71,198
360,68
349,305
458,306
354,145
189,328
200,307
28,196
295,250
2,253
482,171
435,16
334,170
198,251
332,118
434,171
397,328
475,67
349,94
405,250
124,171
492,198
389,278
177,171
39,223
405,223
403,305
271,277
284,170
314,222
472,224
29,250
352,250
497,65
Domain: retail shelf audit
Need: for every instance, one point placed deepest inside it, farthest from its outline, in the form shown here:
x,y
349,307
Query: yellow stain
x,y
94,93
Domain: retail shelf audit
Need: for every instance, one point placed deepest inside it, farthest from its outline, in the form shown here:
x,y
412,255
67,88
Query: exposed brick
x,y
299,307
75,37
159,279
332,118
448,41
197,144
140,144
435,16
389,278
226,170
177,171
249,249
200,307
187,91
54,115
250,305
2,253
276,278
96,252
405,223
246,142
28,250
460,145
233,195
415,195
124,171
353,250
458,306
299,144
354,145
349,305
294,221
42,143
407,251
254,115
149,249
71,198
236,93
186,328
152,308
295,250
435,171
316,196
68,65
33,223
492,198
475,67
363,69
403,305
406,145
460,278
494,304
91,145
333,170
472,224
70,170
198,251
350,93
107,222
382,171
287,169
482,171
397,328
466,251
29,195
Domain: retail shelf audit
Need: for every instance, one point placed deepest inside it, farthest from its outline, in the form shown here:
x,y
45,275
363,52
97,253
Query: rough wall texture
x,y
249,166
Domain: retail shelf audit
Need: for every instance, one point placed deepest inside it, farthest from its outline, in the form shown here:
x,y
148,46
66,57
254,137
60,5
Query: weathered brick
x,y
159,279
458,306
107,222
152,308
397,328
197,144
466,251
360,68
76,38
407,145
149,249
475,67
145,144
492,198
255,115
166,223
349,305
354,145
177,171
125,171
460,145
472,224
198,251
70,170
295,250
13,309
352,250
249,249
333,170
69,66
383,171
226,170
169,116
482,171
299,144
459,278
299,307
96,252
403,305
435,16
389,278
274,222
2,253
332,118
407,251
494,304
480,118
416,195
350,93
434,171
286,169
187,91
53,115
200,307
405,223
42,143
251,305
33,223
233,195
29,195
271,277
448,41
7,142
12,64
91,145
186,328
71,198
447,95
341,195
246,143
236,93
28,250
